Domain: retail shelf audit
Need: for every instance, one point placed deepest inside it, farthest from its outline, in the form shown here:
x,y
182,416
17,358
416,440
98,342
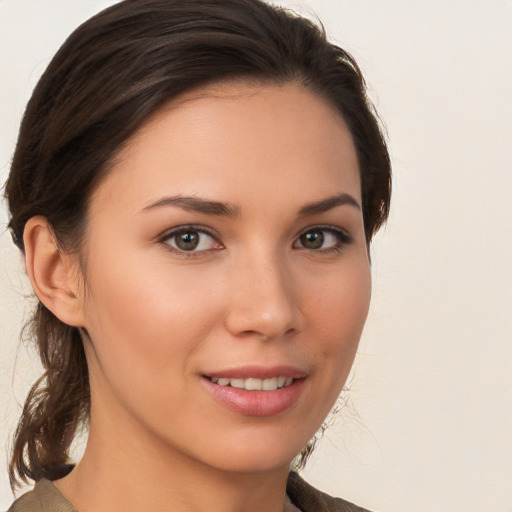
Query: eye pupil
x,y
187,241
312,239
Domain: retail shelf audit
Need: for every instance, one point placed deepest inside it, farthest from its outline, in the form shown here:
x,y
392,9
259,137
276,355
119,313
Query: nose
x,y
264,300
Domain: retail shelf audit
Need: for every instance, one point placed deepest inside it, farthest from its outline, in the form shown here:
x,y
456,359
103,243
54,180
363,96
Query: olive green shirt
x,y
45,497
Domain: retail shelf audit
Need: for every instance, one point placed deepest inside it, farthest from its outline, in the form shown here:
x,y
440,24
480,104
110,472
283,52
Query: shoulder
x,y
309,499
44,497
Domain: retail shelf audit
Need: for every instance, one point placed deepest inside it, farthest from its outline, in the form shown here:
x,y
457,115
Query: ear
x,y
54,274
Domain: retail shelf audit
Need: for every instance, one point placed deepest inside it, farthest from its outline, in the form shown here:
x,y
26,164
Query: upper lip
x,y
258,372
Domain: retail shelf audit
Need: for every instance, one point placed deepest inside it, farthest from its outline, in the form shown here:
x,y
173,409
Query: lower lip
x,y
256,403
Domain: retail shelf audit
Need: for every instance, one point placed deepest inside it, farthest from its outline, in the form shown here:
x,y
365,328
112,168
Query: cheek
x,y
132,292
341,305
145,321
339,313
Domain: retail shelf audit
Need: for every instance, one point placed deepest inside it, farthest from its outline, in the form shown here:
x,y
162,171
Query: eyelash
x,y
173,233
342,239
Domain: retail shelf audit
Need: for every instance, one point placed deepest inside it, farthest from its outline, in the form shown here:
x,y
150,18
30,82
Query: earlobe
x,y
51,272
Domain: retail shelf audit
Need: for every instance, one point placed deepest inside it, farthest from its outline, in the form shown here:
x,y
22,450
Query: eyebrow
x,y
328,204
195,204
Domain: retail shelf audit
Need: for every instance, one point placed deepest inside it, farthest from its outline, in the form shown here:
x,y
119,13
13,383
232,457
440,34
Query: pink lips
x,y
257,402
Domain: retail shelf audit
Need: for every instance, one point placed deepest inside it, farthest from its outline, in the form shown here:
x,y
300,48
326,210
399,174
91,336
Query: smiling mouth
x,y
253,384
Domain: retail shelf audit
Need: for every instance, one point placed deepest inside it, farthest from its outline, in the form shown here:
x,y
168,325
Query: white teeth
x,y
269,384
252,384
237,383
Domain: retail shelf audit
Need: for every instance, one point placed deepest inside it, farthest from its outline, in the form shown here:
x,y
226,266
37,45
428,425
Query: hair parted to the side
x,y
111,74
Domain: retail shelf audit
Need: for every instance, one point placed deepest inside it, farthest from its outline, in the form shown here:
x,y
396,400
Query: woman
x,y
194,189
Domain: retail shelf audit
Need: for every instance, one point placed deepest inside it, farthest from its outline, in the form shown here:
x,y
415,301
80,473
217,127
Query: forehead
x,y
251,137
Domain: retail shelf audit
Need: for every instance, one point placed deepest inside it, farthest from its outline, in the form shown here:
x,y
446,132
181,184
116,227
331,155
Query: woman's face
x,y
227,277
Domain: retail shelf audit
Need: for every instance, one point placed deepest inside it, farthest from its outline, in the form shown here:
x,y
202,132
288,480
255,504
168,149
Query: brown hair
x,y
112,73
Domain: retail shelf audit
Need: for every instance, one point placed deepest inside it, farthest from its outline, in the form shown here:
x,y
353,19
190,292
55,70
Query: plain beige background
x,y
429,421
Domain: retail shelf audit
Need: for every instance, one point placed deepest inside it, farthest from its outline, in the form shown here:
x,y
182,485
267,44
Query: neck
x,y
150,475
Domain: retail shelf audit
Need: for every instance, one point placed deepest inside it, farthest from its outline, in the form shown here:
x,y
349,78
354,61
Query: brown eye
x,y
187,240
323,239
191,240
312,239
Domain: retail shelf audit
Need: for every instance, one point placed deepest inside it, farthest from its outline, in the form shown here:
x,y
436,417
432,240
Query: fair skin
x,y
266,278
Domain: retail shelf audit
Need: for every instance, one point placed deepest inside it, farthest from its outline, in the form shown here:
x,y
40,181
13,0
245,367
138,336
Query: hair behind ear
x,y
56,405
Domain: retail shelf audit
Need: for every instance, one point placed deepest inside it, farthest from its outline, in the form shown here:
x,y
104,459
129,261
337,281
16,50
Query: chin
x,y
255,455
